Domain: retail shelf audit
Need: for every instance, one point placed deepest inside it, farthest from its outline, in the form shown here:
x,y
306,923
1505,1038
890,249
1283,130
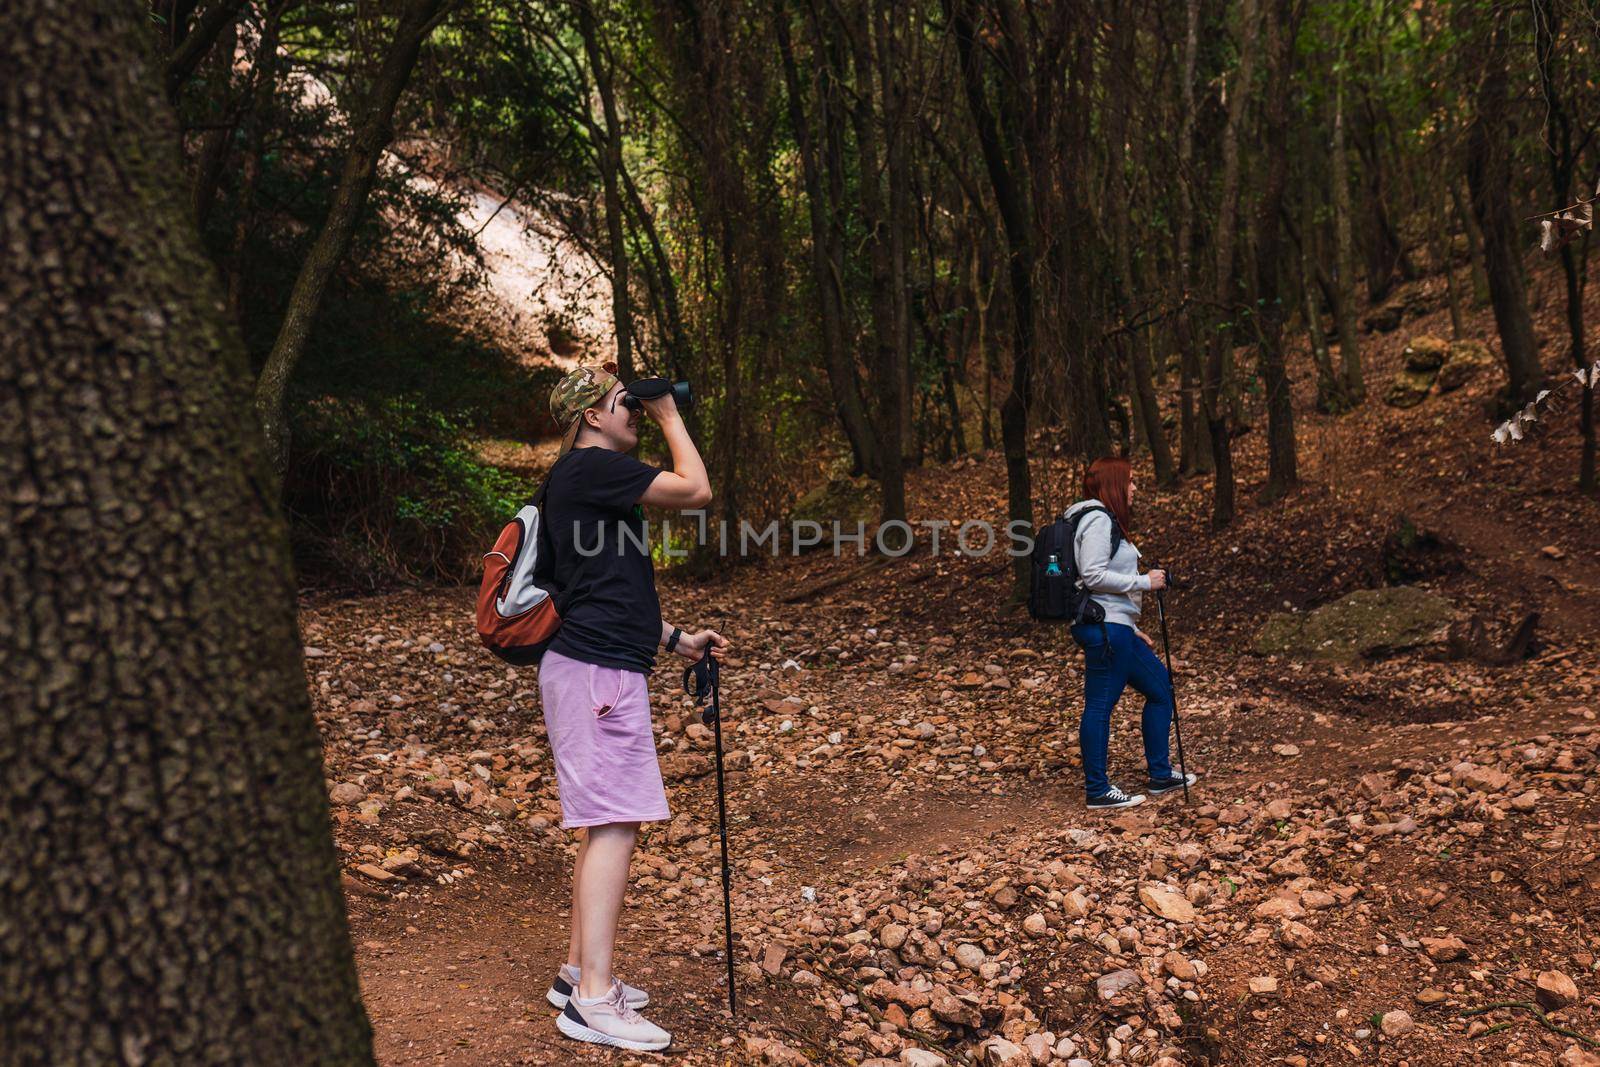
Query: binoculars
x,y
636,392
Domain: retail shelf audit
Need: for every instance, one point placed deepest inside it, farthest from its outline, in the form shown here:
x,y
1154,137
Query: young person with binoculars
x,y
1116,653
592,679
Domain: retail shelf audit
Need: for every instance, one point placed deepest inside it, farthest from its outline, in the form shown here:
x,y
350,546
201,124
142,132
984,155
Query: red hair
x,y
1107,481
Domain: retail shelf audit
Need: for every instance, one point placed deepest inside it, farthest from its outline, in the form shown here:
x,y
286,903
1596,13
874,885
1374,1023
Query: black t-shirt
x,y
610,614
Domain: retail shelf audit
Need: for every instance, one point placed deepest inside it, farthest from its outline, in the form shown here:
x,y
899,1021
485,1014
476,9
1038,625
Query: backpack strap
x,y
544,486
1116,528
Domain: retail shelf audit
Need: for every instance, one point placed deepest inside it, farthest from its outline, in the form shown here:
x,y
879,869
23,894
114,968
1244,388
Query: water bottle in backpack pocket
x,y
1054,594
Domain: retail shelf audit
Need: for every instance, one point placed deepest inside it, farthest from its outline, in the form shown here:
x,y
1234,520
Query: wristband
x,y
672,638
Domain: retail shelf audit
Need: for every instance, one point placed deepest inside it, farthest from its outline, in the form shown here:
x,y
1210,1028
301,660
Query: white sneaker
x,y
567,980
609,1021
1116,798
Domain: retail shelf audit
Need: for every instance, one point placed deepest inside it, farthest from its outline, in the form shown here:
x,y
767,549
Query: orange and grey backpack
x,y
517,616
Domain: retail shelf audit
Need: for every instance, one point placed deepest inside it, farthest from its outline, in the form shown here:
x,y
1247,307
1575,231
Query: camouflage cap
x,y
579,389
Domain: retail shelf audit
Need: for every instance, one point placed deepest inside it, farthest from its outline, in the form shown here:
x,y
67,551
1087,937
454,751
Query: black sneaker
x,y
1116,798
1167,785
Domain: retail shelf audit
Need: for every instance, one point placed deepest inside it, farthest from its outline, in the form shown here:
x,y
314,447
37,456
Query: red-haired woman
x,y
1117,654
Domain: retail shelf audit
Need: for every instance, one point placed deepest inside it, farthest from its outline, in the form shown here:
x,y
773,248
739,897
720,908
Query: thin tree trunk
x,y
372,133
891,71
1439,247
1327,381
1355,384
1282,468
222,16
1475,265
1014,220
169,891
212,158
842,379
1141,385
608,149
1563,161
257,120
1330,394
1194,446
1489,175
1227,217
886,373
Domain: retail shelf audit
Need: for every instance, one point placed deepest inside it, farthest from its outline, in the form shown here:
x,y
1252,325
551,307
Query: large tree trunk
x,y
1282,470
373,130
169,891
608,148
1355,384
1019,245
1212,383
1489,175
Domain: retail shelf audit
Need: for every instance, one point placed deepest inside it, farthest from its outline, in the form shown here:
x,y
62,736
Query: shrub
x,y
387,491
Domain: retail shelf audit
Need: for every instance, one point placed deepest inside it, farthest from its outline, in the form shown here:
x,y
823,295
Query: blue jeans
x,y
1112,661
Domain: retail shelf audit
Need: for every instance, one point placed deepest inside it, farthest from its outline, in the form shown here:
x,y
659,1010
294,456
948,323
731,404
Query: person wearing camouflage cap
x,y
593,678
582,387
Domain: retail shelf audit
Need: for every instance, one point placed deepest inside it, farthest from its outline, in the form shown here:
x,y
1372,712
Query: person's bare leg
x,y
577,879
608,851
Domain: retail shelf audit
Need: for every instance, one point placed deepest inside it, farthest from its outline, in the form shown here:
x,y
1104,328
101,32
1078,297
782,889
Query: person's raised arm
x,y
686,484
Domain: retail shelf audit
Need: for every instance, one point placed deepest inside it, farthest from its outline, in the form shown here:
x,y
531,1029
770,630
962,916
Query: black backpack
x,y
1058,597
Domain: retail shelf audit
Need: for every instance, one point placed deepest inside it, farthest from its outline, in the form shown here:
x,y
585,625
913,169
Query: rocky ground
x,y
1390,858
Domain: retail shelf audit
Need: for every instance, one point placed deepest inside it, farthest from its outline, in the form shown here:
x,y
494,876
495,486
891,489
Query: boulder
x,y
840,499
1426,353
1556,990
1167,904
998,1052
1366,624
347,794
1409,388
1445,949
1466,359
1384,319
1118,985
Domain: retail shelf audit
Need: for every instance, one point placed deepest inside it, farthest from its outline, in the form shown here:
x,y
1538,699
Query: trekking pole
x,y
702,679
1172,685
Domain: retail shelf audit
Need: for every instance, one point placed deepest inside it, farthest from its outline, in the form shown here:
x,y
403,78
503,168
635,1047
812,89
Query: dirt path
x,y
1415,834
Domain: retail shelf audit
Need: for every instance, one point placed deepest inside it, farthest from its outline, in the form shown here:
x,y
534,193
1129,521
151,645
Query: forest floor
x,y
1375,853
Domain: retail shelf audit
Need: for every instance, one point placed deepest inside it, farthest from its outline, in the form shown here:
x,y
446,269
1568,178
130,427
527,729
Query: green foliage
x,y
389,490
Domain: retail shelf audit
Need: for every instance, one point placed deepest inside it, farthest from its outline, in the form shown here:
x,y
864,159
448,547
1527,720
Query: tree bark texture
x,y
169,892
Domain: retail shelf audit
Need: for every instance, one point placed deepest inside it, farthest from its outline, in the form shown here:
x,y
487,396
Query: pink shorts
x,y
598,722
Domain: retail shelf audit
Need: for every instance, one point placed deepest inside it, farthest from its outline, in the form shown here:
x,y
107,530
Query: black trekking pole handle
x,y
702,679
1172,685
